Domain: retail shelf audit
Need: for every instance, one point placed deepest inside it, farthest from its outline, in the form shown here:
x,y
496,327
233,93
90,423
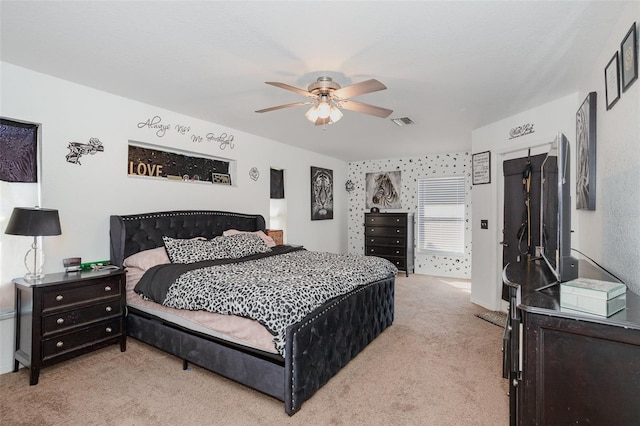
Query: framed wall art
x,y
612,82
629,58
481,166
321,193
18,151
383,190
586,154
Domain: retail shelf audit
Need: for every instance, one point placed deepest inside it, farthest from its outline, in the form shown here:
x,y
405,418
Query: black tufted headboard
x,y
133,233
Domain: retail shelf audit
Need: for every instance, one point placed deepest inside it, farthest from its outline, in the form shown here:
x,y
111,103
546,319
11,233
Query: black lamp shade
x,y
34,222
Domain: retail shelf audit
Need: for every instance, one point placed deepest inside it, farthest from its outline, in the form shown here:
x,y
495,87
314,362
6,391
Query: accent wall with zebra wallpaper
x,y
393,185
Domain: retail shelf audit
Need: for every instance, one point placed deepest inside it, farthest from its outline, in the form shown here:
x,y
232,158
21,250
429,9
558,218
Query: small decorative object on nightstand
x,y
276,234
64,315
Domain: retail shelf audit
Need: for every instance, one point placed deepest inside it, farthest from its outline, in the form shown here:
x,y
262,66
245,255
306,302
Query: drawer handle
x,y
108,309
397,230
59,298
107,288
108,330
60,321
398,242
60,344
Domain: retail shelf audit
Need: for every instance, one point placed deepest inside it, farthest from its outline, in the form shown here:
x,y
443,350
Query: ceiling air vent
x,y
403,121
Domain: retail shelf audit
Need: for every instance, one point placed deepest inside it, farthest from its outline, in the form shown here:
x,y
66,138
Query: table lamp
x,y
35,222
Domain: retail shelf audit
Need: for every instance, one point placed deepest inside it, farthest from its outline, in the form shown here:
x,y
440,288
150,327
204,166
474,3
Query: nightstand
x,y
64,315
276,234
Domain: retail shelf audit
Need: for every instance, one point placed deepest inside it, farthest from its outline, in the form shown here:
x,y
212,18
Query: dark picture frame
x,y
586,153
383,190
18,151
629,58
612,82
321,193
481,168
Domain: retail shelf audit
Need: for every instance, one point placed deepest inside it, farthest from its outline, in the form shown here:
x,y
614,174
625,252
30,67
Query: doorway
x,y
521,210
511,207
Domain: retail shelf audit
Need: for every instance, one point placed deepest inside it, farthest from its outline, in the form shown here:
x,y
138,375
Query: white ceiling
x,y
451,66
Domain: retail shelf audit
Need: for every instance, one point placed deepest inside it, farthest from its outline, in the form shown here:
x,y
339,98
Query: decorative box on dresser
x,y
390,236
64,315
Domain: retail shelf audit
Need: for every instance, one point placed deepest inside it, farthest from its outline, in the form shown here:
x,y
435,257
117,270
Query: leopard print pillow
x,y
241,245
191,251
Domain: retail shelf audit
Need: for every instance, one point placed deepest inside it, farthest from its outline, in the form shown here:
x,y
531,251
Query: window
x,y
441,215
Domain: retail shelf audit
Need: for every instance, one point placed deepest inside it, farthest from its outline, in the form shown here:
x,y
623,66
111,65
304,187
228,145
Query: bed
x,y
314,349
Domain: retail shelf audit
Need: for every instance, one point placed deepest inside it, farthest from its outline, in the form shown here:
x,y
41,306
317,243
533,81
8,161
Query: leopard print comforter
x,y
276,291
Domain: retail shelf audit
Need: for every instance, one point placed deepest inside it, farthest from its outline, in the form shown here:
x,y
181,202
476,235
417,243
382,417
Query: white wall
x,y
547,119
413,168
87,194
610,234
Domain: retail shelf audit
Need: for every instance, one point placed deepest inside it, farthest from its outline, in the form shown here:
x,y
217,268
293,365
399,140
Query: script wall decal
x,y
160,129
525,129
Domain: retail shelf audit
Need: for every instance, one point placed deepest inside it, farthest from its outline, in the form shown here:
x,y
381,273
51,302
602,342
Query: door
x,y
521,216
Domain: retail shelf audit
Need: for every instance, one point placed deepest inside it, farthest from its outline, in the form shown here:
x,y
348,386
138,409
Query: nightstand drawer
x,y
68,295
66,342
63,320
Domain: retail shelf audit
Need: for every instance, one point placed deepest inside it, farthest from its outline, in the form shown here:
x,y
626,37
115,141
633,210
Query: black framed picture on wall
x,y
586,154
612,82
321,193
629,58
481,166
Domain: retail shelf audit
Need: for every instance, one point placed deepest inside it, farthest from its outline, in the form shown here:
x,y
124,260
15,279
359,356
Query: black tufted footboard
x,y
328,338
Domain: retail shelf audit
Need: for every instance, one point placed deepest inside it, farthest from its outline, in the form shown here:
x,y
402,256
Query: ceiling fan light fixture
x,y
312,114
324,109
335,114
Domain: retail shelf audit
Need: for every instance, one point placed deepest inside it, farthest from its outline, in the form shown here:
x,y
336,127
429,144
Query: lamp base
x,y
33,277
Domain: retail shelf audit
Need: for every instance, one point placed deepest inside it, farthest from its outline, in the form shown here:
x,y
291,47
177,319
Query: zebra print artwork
x,y
383,190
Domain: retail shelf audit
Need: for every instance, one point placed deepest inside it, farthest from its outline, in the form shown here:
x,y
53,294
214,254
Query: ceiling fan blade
x,y
357,89
284,106
366,108
291,88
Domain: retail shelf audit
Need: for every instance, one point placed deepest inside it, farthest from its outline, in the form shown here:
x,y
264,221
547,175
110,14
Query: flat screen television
x,y
555,211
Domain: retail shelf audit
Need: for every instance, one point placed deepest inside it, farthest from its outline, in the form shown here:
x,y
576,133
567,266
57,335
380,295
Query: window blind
x,y
441,214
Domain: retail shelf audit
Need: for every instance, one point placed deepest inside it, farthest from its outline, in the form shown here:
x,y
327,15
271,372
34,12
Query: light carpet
x,y
436,365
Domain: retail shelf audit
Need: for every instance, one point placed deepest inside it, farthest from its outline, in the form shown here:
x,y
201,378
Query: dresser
x,y
390,236
64,315
565,367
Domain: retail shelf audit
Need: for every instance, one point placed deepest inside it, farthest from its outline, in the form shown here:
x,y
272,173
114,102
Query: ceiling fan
x,y
327,97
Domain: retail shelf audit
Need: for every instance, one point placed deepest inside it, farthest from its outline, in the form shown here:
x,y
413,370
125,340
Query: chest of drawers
x,y
64,315
390,236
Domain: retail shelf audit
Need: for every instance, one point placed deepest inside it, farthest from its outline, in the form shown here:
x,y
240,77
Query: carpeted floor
x,y
494,317
436,365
